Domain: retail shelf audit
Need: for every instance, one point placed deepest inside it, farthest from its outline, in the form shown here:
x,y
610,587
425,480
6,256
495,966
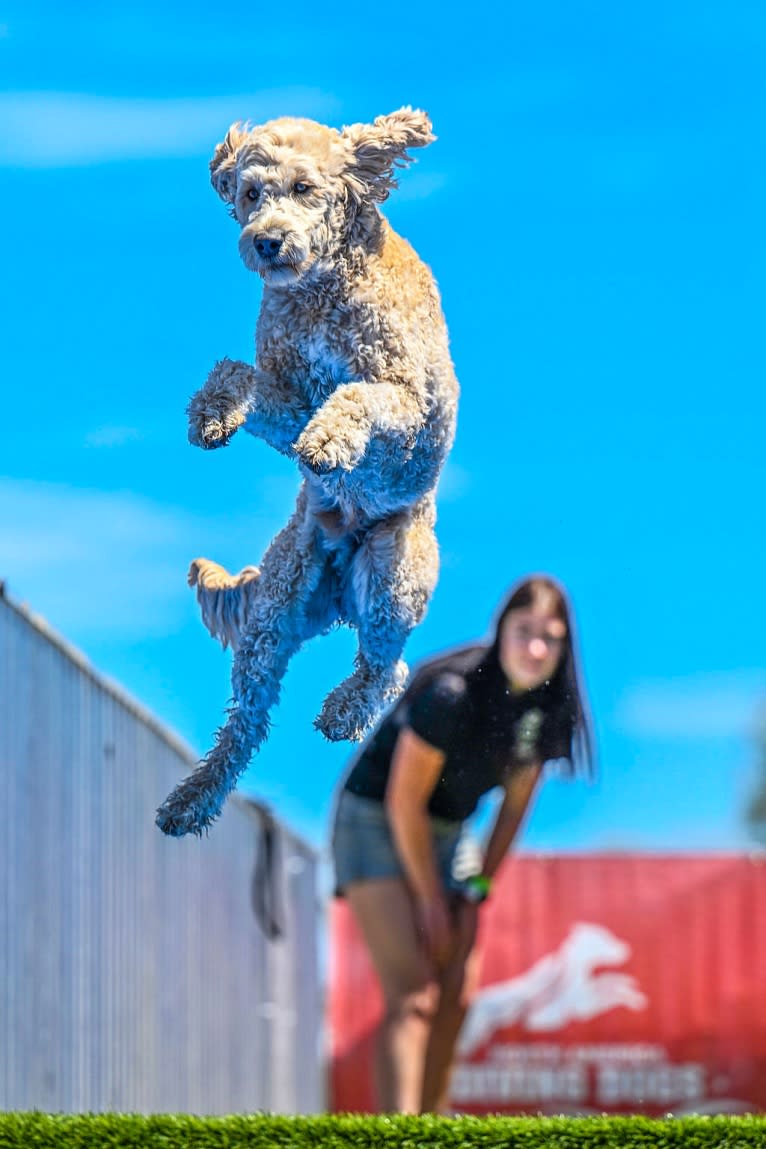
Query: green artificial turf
x,y
115,1131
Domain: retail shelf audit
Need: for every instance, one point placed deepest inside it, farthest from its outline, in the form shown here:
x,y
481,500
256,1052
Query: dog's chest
x,y
325,365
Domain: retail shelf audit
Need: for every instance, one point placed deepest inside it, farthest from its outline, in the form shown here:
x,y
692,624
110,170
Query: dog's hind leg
x,y
393,576
224,599
276,626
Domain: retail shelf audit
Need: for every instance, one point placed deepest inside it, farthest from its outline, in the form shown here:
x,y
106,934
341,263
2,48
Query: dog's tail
x,y
224,599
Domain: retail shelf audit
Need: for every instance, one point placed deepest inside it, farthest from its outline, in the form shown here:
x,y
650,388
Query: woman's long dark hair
x,y
563,696
566,689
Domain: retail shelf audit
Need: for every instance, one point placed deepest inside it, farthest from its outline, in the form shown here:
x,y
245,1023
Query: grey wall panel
x,y
133,974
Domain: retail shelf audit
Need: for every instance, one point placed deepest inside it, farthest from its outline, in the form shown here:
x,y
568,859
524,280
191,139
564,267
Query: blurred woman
x,y
482,716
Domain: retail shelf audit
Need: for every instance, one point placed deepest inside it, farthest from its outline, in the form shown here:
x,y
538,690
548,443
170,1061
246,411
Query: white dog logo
x,y
559,988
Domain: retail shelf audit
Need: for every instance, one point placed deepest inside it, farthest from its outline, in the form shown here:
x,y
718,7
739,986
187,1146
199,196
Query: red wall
x,y
610,984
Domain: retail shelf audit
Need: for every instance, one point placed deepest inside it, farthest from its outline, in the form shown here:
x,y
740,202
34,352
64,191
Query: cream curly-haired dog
x,y
352,379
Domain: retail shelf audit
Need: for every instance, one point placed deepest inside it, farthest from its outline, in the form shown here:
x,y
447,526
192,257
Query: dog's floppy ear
x,y
381,147
223,166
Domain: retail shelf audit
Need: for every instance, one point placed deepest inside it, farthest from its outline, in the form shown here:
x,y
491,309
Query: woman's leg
x,y
458,981
384,911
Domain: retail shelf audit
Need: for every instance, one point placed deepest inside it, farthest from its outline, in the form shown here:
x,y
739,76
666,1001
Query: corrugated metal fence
x,y
133,973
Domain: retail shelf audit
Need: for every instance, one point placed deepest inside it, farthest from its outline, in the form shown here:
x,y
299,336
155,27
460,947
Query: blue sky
x,y
609,165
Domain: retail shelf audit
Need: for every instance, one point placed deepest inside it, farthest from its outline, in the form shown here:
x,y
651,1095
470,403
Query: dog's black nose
x,y
267,246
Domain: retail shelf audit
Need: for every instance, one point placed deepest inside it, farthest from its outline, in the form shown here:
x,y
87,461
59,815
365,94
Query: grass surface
x,y
114,1130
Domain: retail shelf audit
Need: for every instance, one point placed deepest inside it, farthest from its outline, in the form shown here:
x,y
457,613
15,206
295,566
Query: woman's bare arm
x,y
519,791
415,770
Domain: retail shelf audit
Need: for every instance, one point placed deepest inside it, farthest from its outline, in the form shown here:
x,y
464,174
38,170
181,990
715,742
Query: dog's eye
x,y
253,193
301,188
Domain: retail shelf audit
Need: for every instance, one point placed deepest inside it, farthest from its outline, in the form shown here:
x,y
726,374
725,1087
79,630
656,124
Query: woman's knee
x,y
458,984
418,1001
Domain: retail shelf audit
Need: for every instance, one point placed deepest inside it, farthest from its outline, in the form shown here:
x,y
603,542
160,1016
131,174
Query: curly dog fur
x,y
353,380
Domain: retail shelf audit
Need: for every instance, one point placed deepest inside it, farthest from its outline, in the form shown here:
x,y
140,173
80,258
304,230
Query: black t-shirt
x,y
481,743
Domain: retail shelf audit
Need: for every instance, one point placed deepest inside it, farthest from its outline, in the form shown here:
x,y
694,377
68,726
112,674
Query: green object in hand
x,y
477,888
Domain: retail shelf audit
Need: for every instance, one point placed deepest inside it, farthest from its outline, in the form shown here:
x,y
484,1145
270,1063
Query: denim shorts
x,y
363,845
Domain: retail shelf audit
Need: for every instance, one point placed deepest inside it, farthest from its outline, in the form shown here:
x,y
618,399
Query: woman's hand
x,y
437,928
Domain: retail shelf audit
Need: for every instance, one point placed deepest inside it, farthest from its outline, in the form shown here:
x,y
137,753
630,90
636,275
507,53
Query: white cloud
x,y
91,561
720,705
454,483
96,563
63,129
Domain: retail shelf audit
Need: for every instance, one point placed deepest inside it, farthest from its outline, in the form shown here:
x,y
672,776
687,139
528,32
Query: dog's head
x,y
296,187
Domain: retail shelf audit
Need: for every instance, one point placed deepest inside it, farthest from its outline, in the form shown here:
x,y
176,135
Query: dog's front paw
x,y
323,447
218,409
212,433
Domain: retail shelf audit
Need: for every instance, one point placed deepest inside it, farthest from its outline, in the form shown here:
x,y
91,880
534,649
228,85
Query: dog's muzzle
x,y
268,246
272,252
